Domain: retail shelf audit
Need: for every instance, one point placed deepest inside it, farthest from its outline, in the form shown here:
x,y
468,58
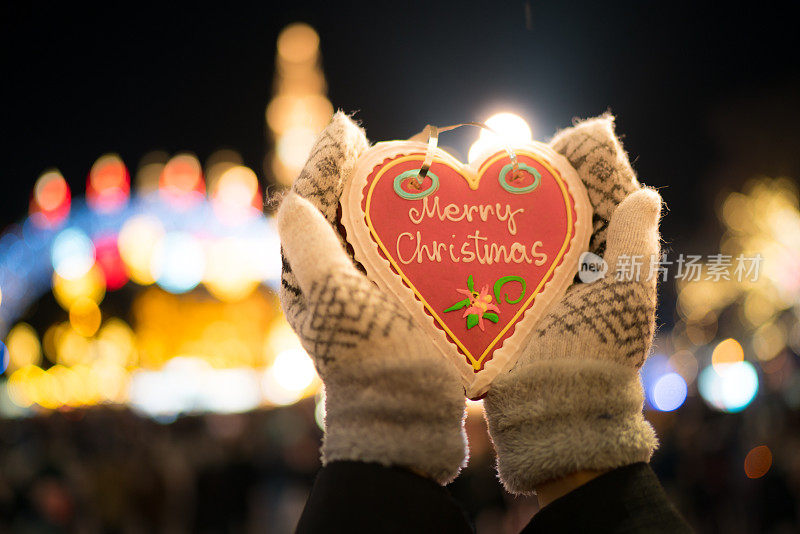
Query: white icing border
x,y
379,269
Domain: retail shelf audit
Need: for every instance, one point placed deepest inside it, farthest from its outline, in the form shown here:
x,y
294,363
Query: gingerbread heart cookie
x,y
476,252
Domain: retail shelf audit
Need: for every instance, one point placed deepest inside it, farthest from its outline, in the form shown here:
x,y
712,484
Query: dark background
x,y
706,95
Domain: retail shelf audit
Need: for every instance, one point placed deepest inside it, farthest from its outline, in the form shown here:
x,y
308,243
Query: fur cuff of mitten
x,y
557,417
396,414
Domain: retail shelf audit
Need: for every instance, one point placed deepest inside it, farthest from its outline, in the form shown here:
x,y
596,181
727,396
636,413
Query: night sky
x,y
705,97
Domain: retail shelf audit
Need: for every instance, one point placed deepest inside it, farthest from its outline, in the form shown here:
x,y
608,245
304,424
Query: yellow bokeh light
x,y
299,109
508,128
294,146
91,285
84,316
116,342
290,377
235,195
701,327
23,347
229,275
51,340
727,351
298,43
88,393
20,385
31,384
735,212
111,381
71,347
758,308
769,341
303,110
169,325
281,337
69,385
49,391
137,243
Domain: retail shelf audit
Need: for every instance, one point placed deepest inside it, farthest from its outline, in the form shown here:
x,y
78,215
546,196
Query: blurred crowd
x,y
110,470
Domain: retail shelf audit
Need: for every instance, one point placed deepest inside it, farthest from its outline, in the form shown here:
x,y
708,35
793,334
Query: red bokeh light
x,y
108,187
110,261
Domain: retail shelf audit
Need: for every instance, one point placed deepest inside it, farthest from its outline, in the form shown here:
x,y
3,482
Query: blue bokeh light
x,y
4,357
178,262
729,387
72,253
669,392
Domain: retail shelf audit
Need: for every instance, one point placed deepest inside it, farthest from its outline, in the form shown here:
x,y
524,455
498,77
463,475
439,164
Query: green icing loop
x,y
537,177
503,281
413,173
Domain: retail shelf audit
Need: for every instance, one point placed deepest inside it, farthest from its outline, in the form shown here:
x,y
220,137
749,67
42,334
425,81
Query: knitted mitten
x,y
389,395
573,401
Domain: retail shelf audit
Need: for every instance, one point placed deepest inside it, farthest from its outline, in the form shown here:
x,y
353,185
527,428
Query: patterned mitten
x,y
390,397
573,401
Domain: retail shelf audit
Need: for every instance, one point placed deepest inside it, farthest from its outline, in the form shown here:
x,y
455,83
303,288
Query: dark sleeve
x,y
365,497
629,499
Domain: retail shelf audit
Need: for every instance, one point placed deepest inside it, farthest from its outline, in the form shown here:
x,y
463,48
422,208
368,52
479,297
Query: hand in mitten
x,y
390,397
573,401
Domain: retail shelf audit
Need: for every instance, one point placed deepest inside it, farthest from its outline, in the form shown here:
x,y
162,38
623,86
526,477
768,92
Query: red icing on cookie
x,y
474,253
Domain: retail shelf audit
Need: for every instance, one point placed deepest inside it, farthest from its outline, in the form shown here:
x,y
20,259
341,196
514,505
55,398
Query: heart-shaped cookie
x,y
475,253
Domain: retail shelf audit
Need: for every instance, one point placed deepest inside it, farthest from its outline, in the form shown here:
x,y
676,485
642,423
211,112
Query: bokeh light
x,y
4,357
294,146
299,109
137,243
669,392
727,351
91,285
729,387
181,182
231,273
109,183
236,196
508,128
84,316
23,347
290,375
51,200
769,340
287,111
757,462
73,254
110,261
178,262
298,43
117,343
